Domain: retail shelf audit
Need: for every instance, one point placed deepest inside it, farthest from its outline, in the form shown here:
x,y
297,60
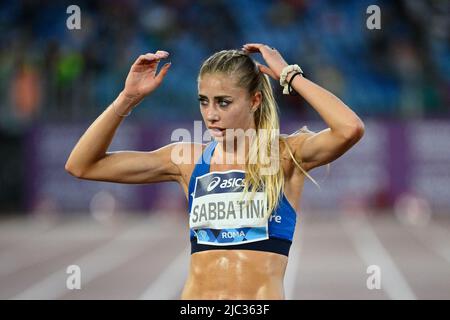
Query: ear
x,y
256,101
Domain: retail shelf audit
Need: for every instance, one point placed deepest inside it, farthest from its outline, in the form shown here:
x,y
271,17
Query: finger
x,y
156,56
250,50
145,59
151,57
161,54
251,47
267,70
162,73
254,47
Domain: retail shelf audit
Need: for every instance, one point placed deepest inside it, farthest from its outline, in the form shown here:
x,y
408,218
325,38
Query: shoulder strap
x,y
201,168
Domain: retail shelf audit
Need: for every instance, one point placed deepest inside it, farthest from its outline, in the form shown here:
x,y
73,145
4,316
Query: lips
x,y
217,131
218,128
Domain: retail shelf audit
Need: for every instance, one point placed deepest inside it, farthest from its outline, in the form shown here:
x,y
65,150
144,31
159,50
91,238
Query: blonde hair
x,y
243,67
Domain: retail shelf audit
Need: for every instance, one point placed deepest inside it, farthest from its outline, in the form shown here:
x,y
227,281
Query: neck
x,y
234,151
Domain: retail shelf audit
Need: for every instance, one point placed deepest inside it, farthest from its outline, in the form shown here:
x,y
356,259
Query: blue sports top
x,y
220,219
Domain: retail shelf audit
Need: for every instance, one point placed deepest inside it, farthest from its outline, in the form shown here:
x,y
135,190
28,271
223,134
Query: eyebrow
x,y
216,97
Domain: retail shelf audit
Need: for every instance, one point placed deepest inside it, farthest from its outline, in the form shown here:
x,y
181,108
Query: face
x,y
223,105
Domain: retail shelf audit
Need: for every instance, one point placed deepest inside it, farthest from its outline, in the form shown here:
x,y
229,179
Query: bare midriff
x,y
235,274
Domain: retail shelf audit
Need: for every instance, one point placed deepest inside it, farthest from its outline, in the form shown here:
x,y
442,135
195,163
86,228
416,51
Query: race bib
x,y
221,216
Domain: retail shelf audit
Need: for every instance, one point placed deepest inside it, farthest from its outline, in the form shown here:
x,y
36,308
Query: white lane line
x,y
293,267
97,262
372,252
168,284
23,227
21,231
436,238
44,247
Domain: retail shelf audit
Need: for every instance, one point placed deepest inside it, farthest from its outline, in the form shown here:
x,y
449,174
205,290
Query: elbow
x,y
73,170
359,130
355,131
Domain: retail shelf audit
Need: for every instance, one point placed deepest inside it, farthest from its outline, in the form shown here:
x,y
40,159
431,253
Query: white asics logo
x,y
214,182
228,183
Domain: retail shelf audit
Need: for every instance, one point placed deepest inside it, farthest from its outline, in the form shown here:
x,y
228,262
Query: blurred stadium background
x,y
386,202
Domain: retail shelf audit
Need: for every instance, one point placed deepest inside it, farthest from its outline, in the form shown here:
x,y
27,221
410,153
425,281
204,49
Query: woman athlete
x,y
239,248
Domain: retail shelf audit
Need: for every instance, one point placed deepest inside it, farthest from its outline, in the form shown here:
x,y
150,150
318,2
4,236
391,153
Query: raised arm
x,y
89,158
344,130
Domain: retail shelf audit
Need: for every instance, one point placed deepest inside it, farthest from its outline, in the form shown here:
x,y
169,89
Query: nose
x,y
212,114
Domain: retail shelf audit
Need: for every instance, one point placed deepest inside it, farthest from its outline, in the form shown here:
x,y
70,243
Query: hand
x,y
274,60
142,78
